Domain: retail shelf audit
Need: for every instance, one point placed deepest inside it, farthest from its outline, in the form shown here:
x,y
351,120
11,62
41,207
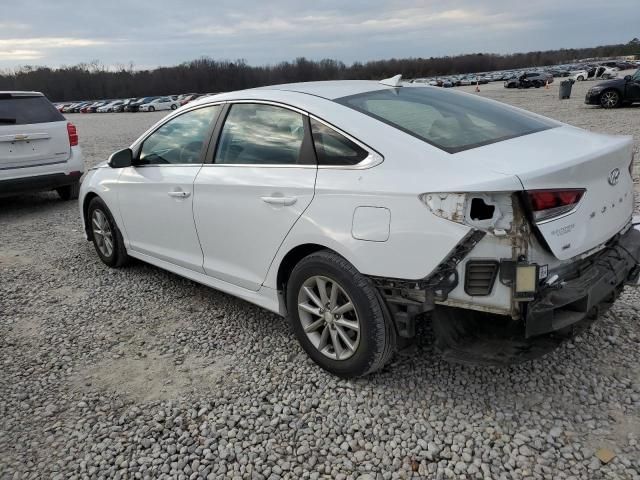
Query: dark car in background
x,y
529,79
135,106
614,93
124,105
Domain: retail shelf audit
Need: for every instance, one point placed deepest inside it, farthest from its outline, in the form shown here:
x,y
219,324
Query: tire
x,y
610,99
152,109
372,344
69,192
580,78
173,106
117,256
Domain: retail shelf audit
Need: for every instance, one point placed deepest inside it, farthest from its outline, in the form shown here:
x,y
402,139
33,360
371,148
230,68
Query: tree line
x,y
95,81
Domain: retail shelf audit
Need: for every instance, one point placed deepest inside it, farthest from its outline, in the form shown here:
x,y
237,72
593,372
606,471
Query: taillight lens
x,y
548,204
73,134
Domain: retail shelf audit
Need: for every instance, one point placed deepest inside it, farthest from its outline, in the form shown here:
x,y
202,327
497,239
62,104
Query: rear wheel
x,y
338,317
107,238
174,106
610,99
69,192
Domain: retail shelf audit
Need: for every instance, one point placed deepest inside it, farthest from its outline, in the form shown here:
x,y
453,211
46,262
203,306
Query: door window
x,y
333,148
260,134
181,139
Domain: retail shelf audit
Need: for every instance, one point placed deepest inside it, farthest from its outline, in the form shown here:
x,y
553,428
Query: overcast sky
x,y
163,32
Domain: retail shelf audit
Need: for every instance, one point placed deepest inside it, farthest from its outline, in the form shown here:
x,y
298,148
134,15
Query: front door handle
x,y
282,201
179,194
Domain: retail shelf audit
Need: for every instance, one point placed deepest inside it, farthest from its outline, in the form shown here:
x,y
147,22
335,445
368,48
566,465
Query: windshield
x,y
636,76
447,120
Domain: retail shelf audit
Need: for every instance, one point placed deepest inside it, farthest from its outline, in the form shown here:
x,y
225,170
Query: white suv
x,y
38,148
355,208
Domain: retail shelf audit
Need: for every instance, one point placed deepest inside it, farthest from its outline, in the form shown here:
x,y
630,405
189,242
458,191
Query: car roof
x,y
17,93
330,89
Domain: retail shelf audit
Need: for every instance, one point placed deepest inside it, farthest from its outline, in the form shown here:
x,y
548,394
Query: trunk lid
x,y
32,132
565,158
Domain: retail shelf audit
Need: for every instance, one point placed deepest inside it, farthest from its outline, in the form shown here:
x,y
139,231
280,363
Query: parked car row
x,y
533,77
139,104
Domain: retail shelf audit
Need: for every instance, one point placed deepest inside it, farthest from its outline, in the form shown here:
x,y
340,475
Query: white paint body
x,y
162,103
224,235
37,149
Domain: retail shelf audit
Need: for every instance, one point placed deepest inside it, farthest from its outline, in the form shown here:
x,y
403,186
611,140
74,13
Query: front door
x,y
633,87
156,194
260,181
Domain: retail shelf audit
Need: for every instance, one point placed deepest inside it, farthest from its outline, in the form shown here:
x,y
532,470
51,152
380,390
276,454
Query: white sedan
x,y
161,103
355,207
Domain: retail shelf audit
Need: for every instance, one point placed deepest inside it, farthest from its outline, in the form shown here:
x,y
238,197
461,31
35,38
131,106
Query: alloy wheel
x,y
609,99
328,317
102,233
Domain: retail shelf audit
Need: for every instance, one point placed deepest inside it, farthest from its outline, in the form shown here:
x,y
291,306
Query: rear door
x,y
32,132
261,179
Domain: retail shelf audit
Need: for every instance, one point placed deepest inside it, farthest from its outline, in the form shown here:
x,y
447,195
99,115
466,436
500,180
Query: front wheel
x,y
106,235
610,99
338,317
580,78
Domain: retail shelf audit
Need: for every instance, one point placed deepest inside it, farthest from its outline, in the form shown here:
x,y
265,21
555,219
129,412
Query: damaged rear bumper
x,y
595,288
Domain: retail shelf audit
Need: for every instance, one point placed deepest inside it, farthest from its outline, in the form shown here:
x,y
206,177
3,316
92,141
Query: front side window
x,y
333,148
181,139
260,134
446,120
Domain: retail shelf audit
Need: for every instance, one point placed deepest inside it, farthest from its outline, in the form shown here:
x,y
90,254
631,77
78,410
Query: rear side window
x,y
259,134
26,110
447,120
333,148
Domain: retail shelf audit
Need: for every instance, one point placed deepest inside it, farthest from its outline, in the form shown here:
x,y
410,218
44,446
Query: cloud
x,y
48,42
156,32
20,55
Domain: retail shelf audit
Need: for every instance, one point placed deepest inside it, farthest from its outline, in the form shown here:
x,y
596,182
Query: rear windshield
x,y
26,110
447,120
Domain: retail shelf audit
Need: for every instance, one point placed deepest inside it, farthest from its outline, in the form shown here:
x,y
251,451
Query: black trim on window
x,y
308,154
215,137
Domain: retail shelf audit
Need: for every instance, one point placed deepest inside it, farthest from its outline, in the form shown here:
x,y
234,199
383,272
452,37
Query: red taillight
x,y
548,204
73,134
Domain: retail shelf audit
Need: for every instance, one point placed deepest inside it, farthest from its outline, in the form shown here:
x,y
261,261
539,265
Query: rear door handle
x,y
282,201
179,194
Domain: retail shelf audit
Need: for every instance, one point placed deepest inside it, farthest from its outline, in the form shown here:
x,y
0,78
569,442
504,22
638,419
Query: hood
x,y
616,82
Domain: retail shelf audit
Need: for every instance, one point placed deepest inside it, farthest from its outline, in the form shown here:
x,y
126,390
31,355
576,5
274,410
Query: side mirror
x,y
627,77
121,158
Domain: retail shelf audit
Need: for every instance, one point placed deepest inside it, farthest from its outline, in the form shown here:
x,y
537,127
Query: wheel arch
x,y
85,213
291,259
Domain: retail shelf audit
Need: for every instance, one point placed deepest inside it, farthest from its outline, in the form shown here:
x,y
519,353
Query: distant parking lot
x,y
138,373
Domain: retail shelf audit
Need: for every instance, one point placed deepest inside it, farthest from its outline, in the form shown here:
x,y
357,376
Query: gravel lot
x,y
137,373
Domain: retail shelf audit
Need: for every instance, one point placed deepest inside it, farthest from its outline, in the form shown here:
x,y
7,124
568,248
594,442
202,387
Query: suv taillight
x,y
549,204
73,134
